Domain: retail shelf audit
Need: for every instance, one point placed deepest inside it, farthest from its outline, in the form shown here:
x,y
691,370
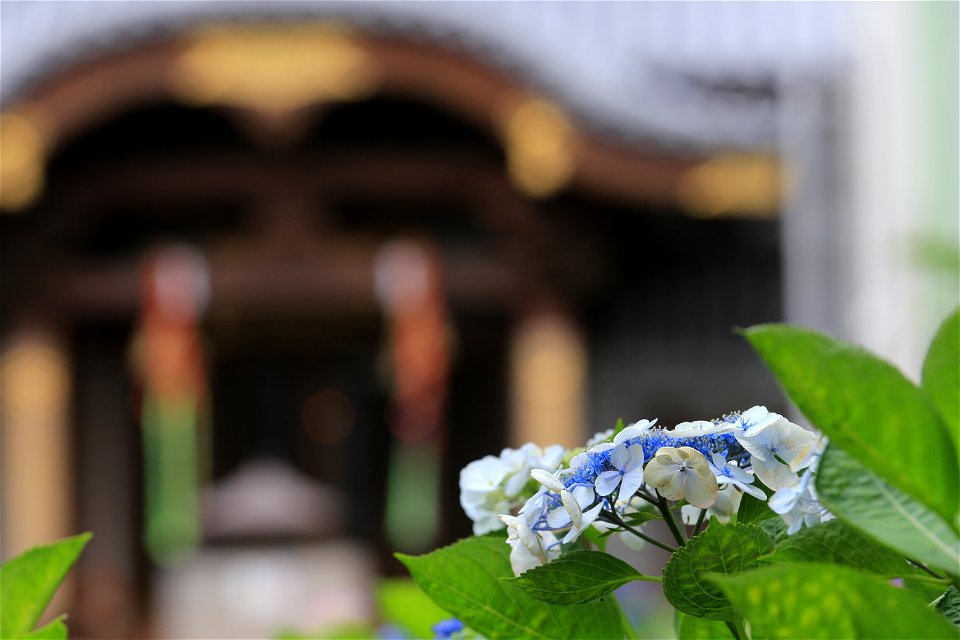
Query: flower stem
x,y
925,568
671,522
646,496
700,519
930,580
736,628
613,518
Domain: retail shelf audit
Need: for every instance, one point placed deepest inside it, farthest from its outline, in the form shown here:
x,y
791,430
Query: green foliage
x,y
826,601
753,510
867,503
28,582
720,549
596,538
949,606
837,543
402,603
644,515
922,585
776,528
355,631
577,577
55,630
890,475
941,374
465,579
694,628
867,408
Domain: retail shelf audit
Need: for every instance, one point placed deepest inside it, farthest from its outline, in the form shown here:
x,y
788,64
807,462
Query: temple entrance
x,y
325,422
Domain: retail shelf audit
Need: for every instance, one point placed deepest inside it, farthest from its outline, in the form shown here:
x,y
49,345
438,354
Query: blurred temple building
x,y
273,272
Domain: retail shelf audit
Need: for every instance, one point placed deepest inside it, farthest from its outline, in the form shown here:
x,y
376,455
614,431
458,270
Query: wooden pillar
x,y
548,363
35,401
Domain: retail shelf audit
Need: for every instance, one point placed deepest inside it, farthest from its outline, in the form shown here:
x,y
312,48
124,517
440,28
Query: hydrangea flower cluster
x,y
705,467
492,485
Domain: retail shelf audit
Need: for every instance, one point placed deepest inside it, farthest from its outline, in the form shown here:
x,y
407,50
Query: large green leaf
x,y
919,583
720,549
465,579
867,407
941,374
55,630
856,495
28,582
828,601
776,528
694,628
836,542
578,576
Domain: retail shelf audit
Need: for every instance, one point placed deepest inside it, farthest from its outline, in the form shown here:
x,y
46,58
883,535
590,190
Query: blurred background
x,y
274,272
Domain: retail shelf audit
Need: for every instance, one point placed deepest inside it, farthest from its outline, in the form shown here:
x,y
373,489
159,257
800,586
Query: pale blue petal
x,y
620,456
756,492
583,495
607,482
635,461
558,518
631,482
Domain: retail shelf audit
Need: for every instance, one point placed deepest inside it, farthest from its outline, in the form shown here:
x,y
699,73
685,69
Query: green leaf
x,y
941,374
949,606
720,549
694,628
837,543
920,585
638,518
868,408
827,601
56,630
402,603
465,579
753,510
578,576
776,528
28,581
861,499
598,539
352,630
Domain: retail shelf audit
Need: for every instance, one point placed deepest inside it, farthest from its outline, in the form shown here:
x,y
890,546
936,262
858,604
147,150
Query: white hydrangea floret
x,y
798,505
573,502
627,472
728,473
778,449
522,460
549,480
682,474
634,430
492,485
528,548
579,519
726,504
698,428
480,494
755,417
600,436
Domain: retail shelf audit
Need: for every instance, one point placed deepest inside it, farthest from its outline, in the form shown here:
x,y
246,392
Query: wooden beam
x,y
79,97
339,285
